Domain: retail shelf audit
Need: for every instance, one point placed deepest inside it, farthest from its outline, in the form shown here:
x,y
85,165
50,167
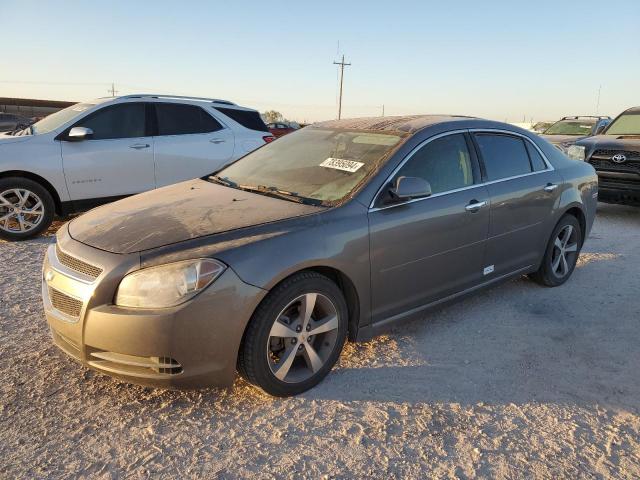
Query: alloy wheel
x,y
21,210
302,337
565,251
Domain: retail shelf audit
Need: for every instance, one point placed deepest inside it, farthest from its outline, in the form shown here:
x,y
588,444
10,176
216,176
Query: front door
x,y
117,160
523,189
426,249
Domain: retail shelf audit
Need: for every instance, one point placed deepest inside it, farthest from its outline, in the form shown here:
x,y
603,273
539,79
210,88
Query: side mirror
x,y
601,126
77,134
410,187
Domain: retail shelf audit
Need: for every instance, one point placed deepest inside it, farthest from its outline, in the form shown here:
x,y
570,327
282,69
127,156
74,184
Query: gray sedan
x,y
336,231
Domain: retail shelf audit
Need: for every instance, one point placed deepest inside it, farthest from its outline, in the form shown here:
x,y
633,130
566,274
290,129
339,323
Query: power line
x,y
342,65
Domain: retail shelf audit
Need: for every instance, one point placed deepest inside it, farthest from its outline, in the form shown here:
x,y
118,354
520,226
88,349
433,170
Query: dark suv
x,y
615,154
566,131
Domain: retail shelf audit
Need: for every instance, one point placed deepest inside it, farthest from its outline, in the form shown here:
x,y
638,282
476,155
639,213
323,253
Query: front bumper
x,y
189,346
614,187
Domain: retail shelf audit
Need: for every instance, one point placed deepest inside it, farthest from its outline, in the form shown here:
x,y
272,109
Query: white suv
x,y
96,152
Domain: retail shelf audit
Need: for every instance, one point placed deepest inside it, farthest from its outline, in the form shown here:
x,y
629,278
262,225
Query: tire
x,y
18,196
554,271
291,363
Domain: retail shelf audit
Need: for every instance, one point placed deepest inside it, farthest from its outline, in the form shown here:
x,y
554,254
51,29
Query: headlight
x,y
167,285
576,152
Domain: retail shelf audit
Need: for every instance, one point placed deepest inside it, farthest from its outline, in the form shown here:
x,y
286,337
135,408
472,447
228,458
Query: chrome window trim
x,y
475,185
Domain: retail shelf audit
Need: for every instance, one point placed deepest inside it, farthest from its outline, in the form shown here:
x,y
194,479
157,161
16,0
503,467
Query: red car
x,y
279,129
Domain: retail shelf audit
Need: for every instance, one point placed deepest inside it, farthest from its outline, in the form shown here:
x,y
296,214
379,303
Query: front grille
x,y
77,265
625,167
64,303
607,154
150,367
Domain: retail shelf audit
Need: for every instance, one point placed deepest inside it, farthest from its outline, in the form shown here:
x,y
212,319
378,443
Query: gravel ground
x,y
518,382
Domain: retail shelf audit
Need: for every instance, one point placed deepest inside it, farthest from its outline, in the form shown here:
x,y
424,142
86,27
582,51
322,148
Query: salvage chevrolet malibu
x,y
335,231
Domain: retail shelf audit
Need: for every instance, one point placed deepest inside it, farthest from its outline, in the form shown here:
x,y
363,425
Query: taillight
x,y
268,138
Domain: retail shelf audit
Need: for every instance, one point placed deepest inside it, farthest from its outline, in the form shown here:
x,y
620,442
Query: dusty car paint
x,y
176,213
372,253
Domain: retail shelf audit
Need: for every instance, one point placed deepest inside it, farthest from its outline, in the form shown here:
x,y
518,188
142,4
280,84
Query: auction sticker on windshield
x,y
341,164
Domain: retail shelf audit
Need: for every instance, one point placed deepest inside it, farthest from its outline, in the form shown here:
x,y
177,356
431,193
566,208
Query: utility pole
x,y
342,65
598,101
383,109
113,90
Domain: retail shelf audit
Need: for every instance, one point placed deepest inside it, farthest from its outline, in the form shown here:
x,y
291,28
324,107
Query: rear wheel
x,y
562,253
26,208
295,336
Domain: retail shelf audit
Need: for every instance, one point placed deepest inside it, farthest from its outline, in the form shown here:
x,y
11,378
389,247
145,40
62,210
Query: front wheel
x,y
562,253
295,336
26,208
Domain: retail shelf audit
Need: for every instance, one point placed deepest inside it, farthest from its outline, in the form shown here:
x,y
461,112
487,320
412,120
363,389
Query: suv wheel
x,y
26,208
295,336
562,253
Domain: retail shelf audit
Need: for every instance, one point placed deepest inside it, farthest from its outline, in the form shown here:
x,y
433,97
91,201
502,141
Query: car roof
x,y
405,123
632,110
152,97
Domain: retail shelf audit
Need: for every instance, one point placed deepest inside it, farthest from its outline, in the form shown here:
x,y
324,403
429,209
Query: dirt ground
x,y
518,382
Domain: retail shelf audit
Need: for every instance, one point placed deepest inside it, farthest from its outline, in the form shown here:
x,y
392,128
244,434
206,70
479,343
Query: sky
x,y
504,60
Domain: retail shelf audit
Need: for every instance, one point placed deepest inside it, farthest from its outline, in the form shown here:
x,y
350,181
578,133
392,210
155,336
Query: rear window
x,y
178,119
504,156
248,119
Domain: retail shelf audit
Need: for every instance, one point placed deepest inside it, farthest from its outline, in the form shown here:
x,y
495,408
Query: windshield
x,y
313,163
627,124
571,127
59,118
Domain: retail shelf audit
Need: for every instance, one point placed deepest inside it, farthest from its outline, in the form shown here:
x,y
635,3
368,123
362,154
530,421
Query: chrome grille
x,y
64,303
77,265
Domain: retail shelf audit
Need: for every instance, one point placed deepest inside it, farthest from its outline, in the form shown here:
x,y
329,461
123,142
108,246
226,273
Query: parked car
x,y
339,229
279,129
568,130
540,127
95,152
11,121
615,154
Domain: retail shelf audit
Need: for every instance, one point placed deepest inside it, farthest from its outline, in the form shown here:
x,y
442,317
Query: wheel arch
x,y
577,212
41,180
344,283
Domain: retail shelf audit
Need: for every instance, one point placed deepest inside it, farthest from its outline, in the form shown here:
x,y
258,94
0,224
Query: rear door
x,y
523,188
117,160
428,248
189,143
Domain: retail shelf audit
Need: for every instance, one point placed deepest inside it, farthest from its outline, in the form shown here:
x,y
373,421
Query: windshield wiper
x,y
277,193
223,181
265,190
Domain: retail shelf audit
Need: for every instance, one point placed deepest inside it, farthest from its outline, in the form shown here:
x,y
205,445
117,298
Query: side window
x,y
445,163
537,161
177,119
126,120
503,155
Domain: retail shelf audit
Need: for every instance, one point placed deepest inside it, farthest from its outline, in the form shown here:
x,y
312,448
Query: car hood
x,y
177,213
613,142
560,139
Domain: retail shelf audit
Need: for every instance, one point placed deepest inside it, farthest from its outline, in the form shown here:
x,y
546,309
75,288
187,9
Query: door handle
x,y
550,187
217,140
139,146
474,206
